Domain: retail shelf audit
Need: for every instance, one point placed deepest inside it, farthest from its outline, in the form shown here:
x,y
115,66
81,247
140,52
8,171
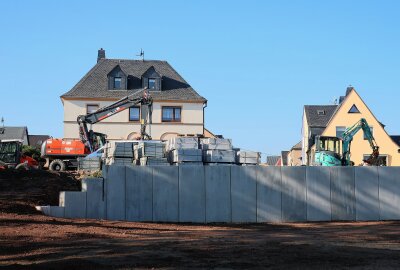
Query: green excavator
x,y
334,151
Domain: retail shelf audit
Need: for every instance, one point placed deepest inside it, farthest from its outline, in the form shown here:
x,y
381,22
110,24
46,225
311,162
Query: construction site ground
x,y
30,240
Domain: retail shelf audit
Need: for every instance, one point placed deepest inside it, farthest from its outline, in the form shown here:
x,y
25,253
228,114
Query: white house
x,y
177,107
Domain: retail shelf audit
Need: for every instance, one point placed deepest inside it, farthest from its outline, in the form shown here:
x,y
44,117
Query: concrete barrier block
x,y
367,193
74,203
45,209
294,206
95,202
218,193
139,193
57,211
165,193
342,193
244,193
115,192
389,192
192,194
318,193
269,181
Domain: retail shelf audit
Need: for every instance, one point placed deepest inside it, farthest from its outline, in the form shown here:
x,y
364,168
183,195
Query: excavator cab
x,y
328,151
10,152
11,156
97,139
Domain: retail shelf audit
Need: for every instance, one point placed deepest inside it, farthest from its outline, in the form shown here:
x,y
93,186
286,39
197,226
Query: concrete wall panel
x,y
95,203
139,193
192,194
367,193
389,192
244,193
115,187
342,193
74,203
57,211
269,181
218,193
165,193
294,207
318,194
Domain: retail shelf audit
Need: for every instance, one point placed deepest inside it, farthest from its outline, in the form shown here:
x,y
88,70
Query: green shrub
x,y
31,151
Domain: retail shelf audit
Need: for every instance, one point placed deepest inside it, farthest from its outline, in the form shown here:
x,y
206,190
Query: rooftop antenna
x,y
2,121
141,54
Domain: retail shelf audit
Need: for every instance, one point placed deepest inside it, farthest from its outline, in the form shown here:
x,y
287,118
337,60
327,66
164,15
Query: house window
x,y
117,82
134,114
321,112
152,83
91,108
171,114
354,109
340,131
372,133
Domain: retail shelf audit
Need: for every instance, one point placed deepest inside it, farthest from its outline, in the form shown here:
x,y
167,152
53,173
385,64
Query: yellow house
x,y
350,110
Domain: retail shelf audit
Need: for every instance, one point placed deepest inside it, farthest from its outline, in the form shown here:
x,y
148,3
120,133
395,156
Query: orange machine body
x,y
65,147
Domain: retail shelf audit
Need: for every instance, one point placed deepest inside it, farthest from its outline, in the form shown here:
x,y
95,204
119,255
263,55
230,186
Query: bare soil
x,y
29,240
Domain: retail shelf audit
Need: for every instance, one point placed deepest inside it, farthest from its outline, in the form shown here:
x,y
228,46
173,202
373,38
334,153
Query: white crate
x,y
119,149
183,143
219,156
247,157
186,155
216,144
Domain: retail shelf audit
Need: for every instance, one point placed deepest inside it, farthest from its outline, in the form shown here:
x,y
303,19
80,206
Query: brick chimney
x,y
101,54
348,89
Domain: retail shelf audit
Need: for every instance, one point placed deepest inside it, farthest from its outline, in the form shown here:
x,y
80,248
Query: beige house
x,y
350,110
177,107
294,155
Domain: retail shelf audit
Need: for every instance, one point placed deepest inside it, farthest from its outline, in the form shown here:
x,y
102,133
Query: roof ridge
x,y
125,59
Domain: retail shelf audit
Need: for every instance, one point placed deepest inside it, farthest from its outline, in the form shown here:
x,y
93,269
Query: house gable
x,y
151,79
343,117
114,74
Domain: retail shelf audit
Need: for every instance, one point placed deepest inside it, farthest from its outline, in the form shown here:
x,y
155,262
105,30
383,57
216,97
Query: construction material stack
x,y
244,157
184,151
218,150
150,153
119,153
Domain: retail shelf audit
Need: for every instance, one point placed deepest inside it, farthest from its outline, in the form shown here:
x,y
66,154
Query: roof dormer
x,y
151,79
117,79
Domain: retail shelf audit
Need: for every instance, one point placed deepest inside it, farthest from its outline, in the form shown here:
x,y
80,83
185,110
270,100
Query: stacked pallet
x,y
150,153
217,150
184,151
247,157
88,165
118,153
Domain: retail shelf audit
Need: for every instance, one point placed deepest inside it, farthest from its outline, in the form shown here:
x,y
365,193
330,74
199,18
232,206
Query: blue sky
x,y
257,62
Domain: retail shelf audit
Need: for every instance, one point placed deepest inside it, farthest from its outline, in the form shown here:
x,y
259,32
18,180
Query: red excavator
x,y
61,154
11,156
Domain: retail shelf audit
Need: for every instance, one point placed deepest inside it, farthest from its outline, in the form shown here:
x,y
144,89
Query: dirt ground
x,y
29,240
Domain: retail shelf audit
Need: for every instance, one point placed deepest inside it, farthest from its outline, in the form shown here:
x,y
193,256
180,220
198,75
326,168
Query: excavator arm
x,y
347,138
94,140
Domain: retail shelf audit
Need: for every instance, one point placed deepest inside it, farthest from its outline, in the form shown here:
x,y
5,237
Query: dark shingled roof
x,y
396,139
37,140
14,133
272,160
284,156
95,83
315,120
